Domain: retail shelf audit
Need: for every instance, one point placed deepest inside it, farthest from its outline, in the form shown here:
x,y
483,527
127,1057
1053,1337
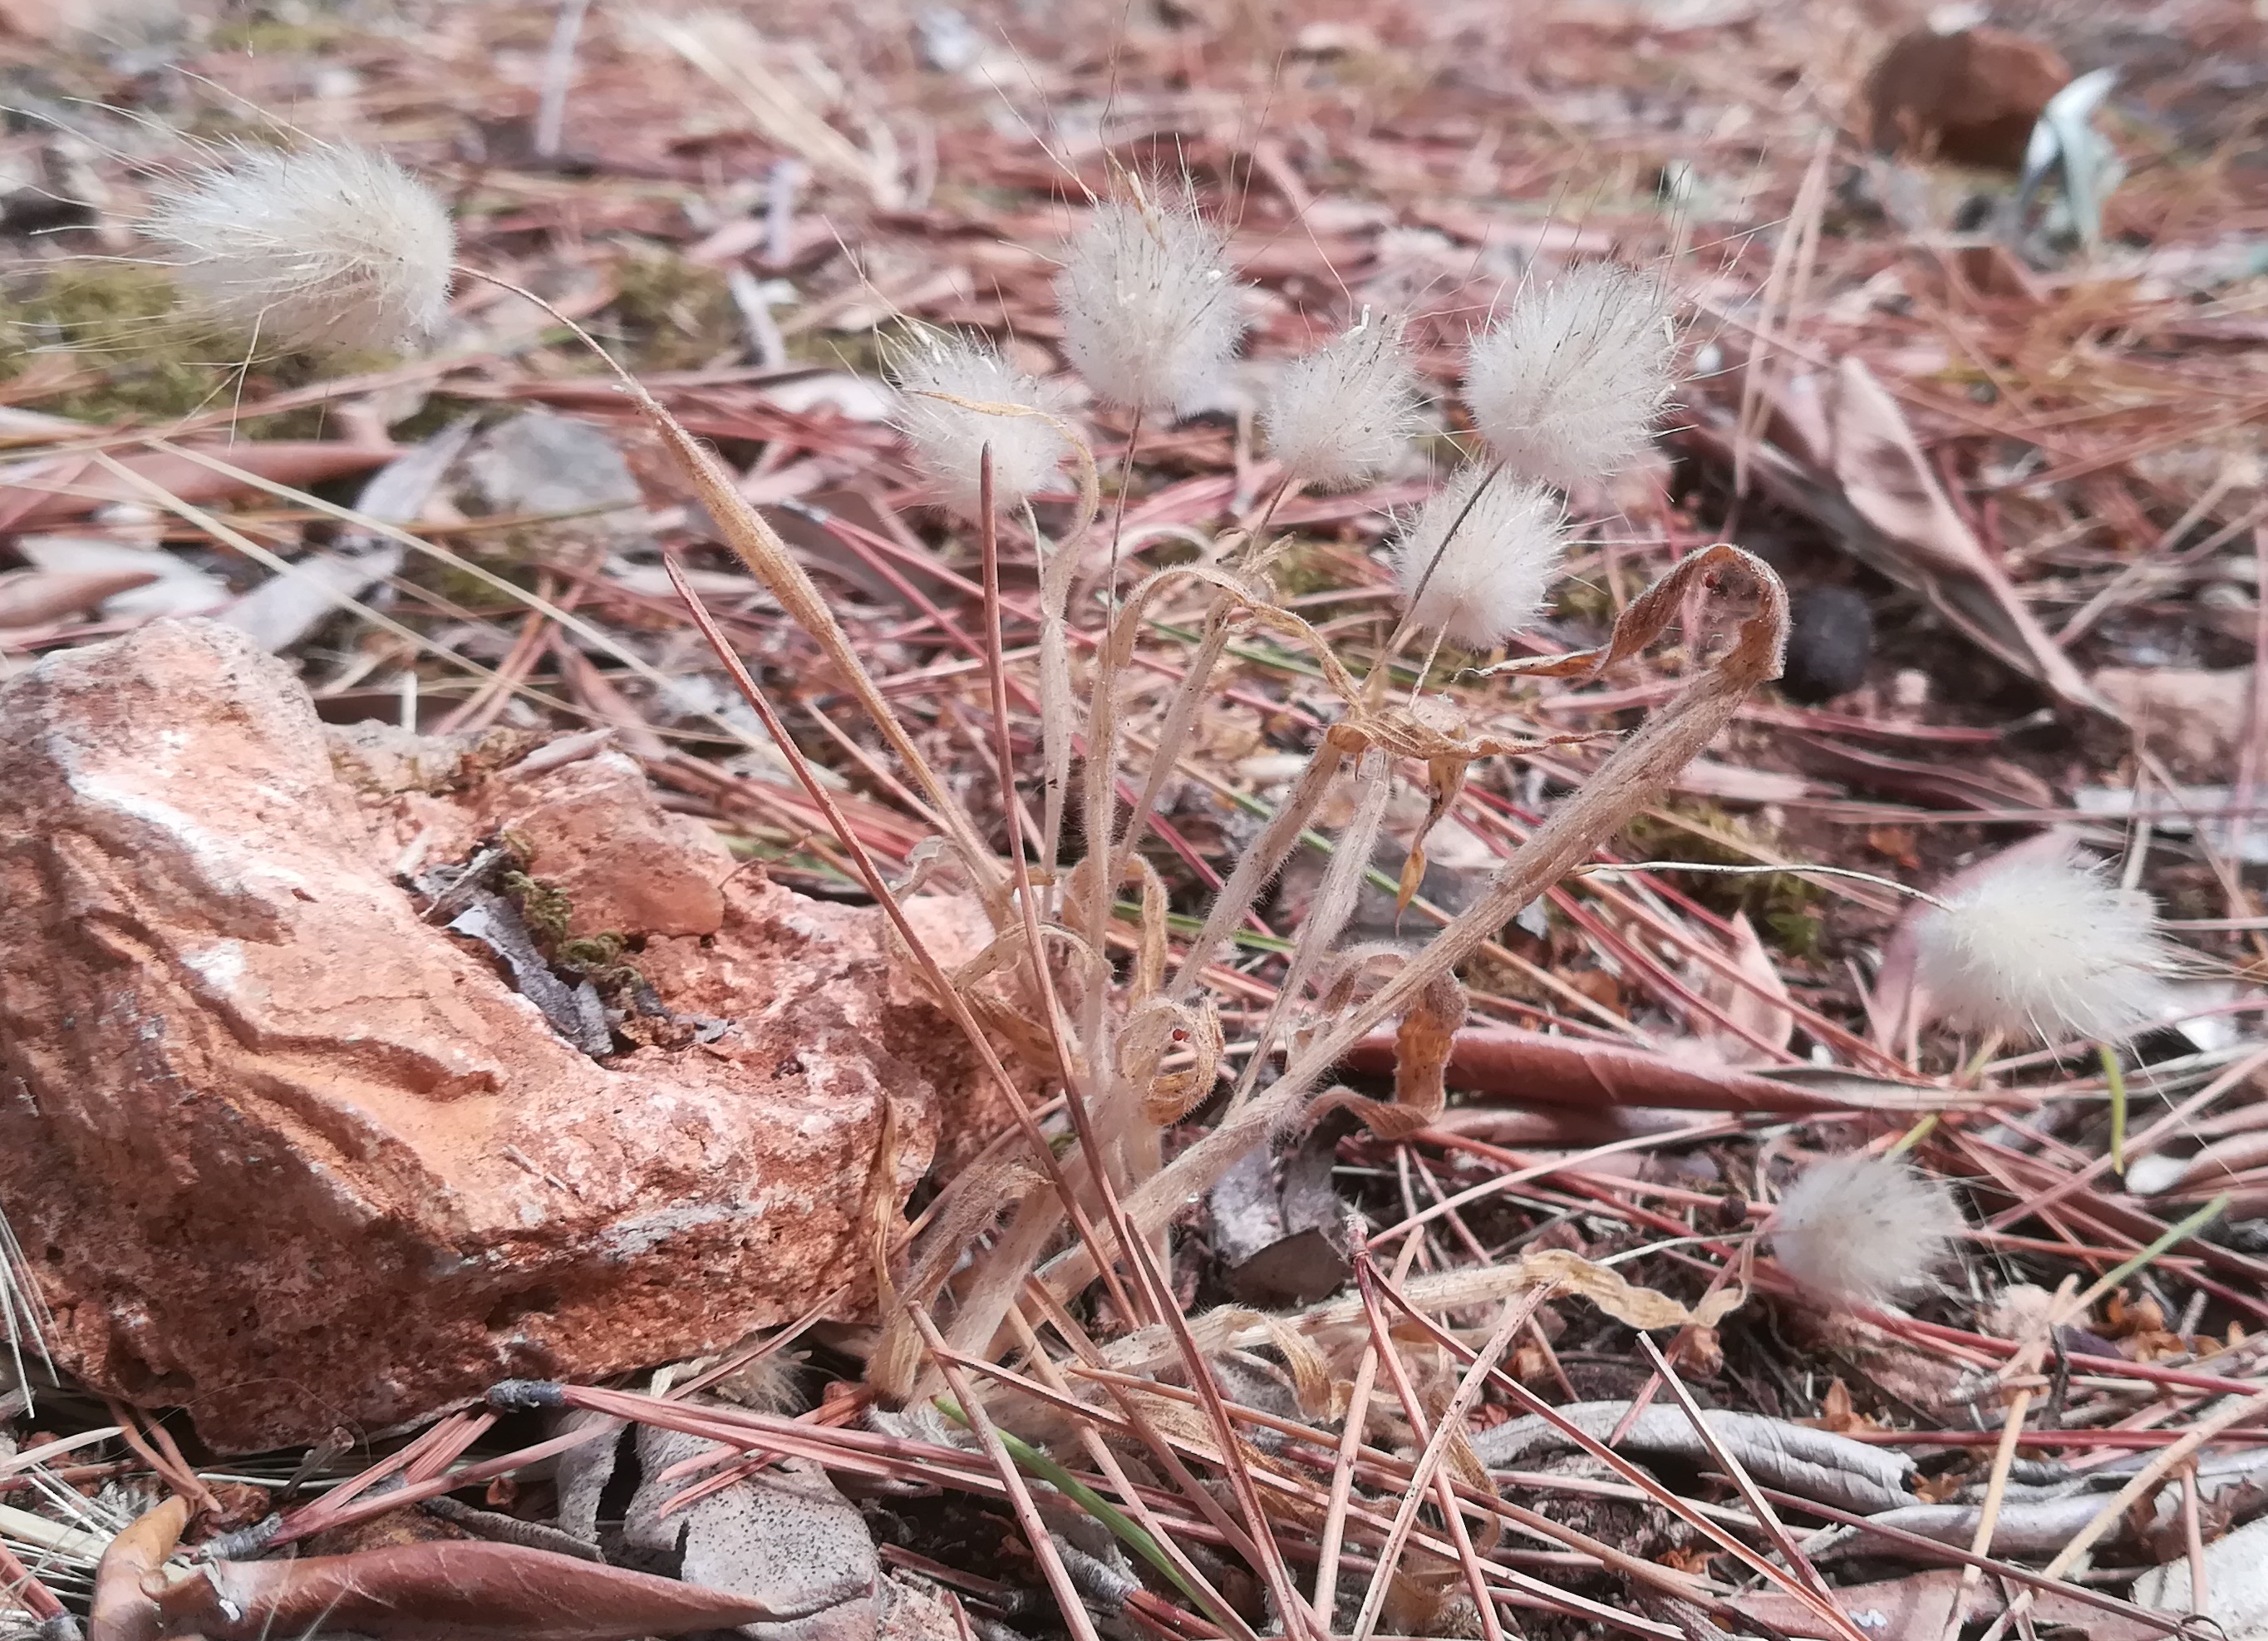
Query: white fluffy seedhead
x,y
1476,560
948,438
1150,310
327,249
1860,1229
1567,384
2043,944
1345,413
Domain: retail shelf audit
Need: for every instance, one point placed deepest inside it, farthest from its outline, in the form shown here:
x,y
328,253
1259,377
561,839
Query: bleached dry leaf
x,y
1887,477
1760,1013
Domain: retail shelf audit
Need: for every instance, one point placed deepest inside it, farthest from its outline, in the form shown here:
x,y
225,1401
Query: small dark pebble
x,y
1830,641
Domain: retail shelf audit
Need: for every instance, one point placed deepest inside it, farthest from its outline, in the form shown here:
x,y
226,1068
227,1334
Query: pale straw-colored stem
x,y
1334,903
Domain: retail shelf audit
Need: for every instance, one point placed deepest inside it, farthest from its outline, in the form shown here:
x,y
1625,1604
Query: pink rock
x,y
282,1153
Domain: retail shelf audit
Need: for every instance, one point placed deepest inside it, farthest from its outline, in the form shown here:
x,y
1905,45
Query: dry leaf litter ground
x,y
429,965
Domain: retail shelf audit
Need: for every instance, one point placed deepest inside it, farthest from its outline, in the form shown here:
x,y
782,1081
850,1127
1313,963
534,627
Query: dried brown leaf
x,y
450,1590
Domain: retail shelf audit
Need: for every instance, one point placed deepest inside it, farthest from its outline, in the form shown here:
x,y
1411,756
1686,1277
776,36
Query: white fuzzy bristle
x,y
2043,944
948,438
1860,1230
1151,313
1343,414
1476,560
326,248
1567,384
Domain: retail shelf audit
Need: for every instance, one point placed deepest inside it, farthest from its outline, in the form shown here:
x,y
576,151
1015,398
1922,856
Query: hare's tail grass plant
x,y
1564,388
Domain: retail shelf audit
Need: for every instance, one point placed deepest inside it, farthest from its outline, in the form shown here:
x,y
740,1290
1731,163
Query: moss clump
x,y
1586,602
1785,908
1303,567
268,36
542,906
673,314
111,334
115,319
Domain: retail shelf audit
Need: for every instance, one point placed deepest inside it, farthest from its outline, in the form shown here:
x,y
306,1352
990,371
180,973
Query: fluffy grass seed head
x,y
1150,310
1860,1229
1475,561
2045,945
326,248
1566,385
947,440
1345,413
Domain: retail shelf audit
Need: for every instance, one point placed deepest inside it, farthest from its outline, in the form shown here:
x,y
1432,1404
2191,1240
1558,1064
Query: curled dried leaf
x,y
1422,1044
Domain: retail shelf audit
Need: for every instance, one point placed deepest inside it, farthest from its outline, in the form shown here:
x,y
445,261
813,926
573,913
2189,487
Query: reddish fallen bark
x,y
1528,1067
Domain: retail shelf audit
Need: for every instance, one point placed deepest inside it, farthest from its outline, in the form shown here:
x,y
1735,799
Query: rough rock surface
x,y
283,1153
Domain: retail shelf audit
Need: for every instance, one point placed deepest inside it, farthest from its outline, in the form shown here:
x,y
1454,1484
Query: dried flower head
x,y
2043,944
325,248
948,438
1566,385
1475,559
1342,414
1150,310
1860,1230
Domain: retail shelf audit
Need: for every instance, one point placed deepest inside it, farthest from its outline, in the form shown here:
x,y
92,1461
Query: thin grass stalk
x,y
1172,735
1098,1452
1350,1446
1126,1393
1077,1104
1334,1516
1130,1421
1057,569
1275,1573
1413,1410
